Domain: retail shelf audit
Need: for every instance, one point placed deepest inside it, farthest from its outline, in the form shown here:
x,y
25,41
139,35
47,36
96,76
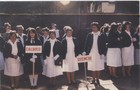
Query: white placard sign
x,y
86,58
33,49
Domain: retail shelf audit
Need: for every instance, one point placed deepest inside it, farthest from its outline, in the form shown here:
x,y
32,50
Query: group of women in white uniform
x,y
59,57
120,51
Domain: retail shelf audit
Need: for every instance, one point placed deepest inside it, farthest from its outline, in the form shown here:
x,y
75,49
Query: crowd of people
x,y
113,44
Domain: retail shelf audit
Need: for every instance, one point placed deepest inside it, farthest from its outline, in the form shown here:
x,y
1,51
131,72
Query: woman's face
x,y
52,35
69,33
45,33
8,28
127,27
20,31
94,28
32,35
53,27
13,37
119,27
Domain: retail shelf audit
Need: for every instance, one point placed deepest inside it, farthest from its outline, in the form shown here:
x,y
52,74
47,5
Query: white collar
x,y
45,36
52,39
96,33
21,35
68,38
9,41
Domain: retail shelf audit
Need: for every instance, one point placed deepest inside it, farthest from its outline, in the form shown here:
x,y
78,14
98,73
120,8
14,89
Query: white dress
x,y
114,57
70,64
97,64
128,54
50,69
1,61
13,67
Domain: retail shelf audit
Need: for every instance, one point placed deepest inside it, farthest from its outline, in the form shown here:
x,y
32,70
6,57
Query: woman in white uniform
x,y
52,51
95,46
128,49
70,49
136,45
13,53
114,51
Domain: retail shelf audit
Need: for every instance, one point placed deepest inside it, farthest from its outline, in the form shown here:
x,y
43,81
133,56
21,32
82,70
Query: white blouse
x,y
70,45
52,41
95,41
14,47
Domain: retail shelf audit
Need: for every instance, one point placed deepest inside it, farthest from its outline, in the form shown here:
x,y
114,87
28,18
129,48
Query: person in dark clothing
x,y
114,51
2,42
32,58
106,29
38,31
20,35
137,45
7,30
45,35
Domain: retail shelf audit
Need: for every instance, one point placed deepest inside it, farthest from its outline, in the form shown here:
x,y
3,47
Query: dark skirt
x,y
28,67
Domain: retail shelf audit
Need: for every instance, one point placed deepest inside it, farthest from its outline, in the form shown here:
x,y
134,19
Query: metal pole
x,y
86,75
33,69
85,71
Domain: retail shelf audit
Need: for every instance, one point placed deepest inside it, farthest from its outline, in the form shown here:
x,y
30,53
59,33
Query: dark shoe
x,y
93,82
35,87
32,87
69,83
98,82
73,82
115,76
